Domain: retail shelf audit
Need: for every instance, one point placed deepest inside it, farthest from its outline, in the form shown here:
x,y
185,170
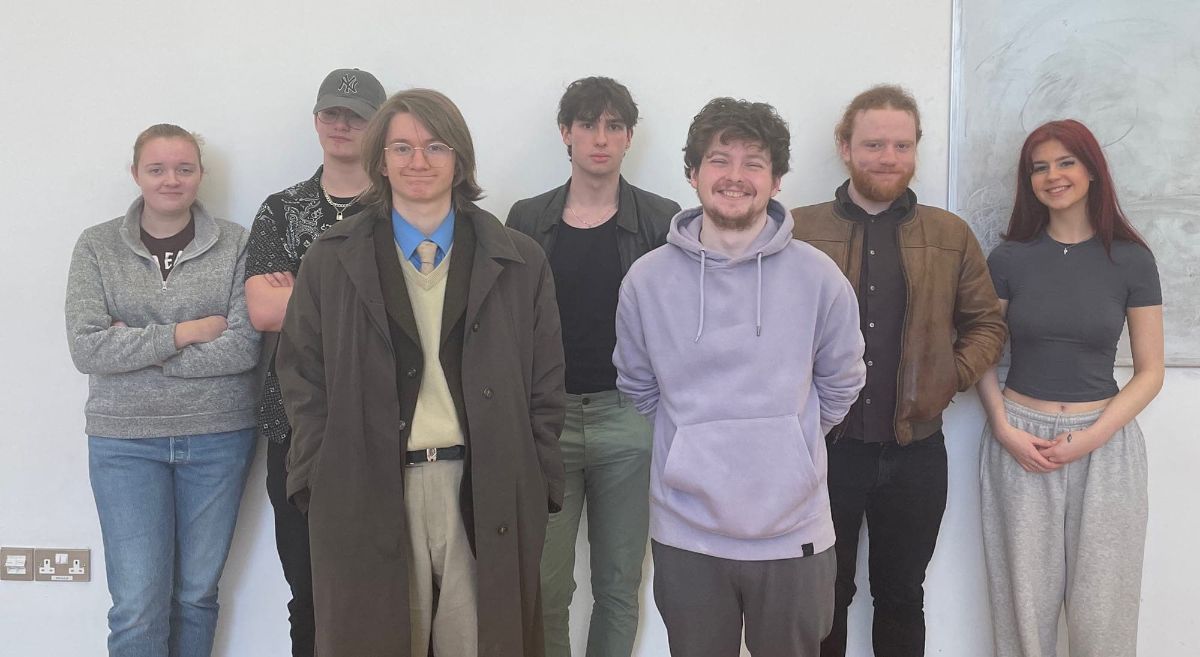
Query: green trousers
x,y
606,450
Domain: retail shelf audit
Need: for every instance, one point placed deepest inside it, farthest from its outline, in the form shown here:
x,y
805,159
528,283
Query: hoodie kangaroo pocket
x,y
750,478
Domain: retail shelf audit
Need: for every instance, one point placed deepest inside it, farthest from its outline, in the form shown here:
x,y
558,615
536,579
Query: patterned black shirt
x,y
287,223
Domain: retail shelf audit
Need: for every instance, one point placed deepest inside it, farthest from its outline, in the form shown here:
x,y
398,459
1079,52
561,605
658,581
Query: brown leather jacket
x,y
953,329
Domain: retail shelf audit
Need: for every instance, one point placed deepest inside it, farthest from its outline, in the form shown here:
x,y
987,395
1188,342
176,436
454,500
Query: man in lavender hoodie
x,y
743,348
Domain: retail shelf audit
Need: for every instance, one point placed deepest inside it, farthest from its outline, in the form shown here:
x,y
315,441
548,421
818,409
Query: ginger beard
x,y
881,188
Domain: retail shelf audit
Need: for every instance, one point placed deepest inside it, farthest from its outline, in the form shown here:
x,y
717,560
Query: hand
x,y
280,279
196,331
1074,445
1027,449
116,323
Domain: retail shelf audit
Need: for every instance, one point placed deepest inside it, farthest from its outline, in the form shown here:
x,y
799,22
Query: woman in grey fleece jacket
x,y
158,322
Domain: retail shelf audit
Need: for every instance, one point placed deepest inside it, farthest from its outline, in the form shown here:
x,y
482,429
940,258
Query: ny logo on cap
x,y
349,84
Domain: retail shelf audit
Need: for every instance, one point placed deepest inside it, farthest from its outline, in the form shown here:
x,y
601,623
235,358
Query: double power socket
x,y
46,564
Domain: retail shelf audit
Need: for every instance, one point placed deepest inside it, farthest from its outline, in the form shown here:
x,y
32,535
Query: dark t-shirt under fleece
x,y
1066,310
587,280
166,250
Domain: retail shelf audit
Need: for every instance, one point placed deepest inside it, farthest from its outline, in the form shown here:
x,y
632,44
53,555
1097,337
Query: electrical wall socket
x,y
16,563
62,564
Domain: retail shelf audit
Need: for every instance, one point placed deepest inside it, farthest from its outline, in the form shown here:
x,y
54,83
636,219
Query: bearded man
x,y
932,326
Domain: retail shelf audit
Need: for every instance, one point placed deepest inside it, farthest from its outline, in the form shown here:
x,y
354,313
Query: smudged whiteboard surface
x,y
1130,70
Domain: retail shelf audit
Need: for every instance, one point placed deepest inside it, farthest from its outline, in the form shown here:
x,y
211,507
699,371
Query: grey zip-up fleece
x,y
140,385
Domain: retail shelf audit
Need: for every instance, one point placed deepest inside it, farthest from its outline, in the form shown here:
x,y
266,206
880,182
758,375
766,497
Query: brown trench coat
x,y
338,374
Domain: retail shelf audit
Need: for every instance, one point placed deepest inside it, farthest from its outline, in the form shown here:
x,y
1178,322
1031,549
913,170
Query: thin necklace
x,y
340,208
1068,247
591,224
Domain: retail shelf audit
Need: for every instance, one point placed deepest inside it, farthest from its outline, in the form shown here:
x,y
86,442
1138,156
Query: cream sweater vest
x,y
435,420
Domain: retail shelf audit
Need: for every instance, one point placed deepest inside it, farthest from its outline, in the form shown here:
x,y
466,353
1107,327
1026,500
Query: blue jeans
x,y
167,510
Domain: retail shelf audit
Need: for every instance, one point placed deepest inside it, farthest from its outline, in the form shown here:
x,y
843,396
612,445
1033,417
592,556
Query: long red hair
x,y
1029,216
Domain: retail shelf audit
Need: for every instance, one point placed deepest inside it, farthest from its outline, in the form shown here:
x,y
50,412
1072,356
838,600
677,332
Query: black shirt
x,y
882,301
587,280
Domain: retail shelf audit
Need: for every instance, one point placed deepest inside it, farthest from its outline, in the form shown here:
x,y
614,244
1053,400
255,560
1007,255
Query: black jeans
x,y
291,540
902,493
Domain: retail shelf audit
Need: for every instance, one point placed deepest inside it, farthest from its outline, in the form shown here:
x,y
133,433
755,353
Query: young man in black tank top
x,y
593,228
932,326
287,223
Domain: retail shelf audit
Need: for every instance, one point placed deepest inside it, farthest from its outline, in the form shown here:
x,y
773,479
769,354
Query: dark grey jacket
x,y
643,219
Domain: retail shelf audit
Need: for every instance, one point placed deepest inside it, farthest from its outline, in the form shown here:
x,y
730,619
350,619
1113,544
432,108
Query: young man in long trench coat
x,y
356,378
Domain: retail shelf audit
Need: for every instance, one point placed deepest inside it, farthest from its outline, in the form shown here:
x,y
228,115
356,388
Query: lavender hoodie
x,y
742,364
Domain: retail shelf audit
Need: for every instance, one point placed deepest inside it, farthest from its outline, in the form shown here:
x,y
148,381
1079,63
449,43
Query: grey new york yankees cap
x,y
353,89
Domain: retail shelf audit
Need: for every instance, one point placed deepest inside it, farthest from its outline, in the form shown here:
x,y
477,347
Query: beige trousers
x,y
441,566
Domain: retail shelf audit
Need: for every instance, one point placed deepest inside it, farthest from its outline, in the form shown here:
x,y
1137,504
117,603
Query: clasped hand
x,y
1040,455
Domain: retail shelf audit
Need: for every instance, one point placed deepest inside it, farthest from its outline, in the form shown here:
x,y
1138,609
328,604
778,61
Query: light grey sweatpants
x,y
1076,535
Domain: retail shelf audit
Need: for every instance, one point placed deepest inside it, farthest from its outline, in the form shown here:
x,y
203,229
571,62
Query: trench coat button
x,y
403,425
475,327
867,401
870,363
487,393
502,530
412,372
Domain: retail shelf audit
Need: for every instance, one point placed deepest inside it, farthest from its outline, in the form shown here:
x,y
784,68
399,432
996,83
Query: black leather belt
x,y
433,454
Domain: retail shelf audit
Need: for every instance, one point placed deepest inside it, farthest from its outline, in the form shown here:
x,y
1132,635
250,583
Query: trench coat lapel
x,y
396,302
492,244
458,280
357,256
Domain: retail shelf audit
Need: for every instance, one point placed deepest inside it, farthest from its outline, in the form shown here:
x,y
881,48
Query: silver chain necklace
x,y
340,208
591,224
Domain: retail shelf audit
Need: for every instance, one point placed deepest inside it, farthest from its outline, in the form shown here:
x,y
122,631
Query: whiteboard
x,y
1131,72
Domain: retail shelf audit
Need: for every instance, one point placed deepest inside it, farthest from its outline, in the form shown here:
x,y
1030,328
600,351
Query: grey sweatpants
x,y
1076,535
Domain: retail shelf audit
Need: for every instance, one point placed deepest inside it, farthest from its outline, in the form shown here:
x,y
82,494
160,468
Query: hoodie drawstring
x,y
758,301
700,326
757,297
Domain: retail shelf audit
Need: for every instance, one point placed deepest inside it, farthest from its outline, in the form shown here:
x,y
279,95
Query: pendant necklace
x,y
589,224
340,208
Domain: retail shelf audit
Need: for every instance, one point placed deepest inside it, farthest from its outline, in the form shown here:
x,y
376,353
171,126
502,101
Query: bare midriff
x,y
1055,407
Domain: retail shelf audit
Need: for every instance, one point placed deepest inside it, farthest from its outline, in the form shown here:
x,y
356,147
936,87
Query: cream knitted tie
x,y
426,251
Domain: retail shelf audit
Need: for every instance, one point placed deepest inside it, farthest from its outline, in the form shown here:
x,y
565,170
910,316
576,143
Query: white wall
x,y
80,80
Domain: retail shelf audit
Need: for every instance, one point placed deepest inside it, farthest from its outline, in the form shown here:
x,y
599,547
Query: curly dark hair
x,y
587,98
731,119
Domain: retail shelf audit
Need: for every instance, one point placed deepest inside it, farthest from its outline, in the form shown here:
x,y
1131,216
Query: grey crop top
x,y
1066,310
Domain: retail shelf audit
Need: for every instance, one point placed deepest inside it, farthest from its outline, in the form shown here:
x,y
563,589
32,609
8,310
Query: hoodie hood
x,y
775,235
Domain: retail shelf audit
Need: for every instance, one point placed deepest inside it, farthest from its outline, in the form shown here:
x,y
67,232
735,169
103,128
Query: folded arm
x,y
234,351
97,344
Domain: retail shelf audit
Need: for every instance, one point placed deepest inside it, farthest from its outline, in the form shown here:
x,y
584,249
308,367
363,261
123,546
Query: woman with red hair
x,y
1063,463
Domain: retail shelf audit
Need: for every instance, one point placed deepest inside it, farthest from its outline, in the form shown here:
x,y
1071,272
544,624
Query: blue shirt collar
x,y
408,237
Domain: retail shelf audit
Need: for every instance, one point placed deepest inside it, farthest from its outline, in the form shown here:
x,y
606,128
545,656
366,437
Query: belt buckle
x,y
431,454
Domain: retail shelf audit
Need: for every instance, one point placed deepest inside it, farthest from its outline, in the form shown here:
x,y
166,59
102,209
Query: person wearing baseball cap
x,y
286,224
